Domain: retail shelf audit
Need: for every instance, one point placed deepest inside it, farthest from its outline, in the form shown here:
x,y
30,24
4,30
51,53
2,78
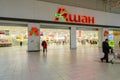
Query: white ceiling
x,y
112,6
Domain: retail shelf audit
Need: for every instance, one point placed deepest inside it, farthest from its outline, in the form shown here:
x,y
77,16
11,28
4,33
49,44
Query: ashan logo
x,y
63,15
34,31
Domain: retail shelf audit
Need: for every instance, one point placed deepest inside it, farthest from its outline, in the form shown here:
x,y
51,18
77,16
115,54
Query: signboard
x,y
111,40
111,43
63,15
111,37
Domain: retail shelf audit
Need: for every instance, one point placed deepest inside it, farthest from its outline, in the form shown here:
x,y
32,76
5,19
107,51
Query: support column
x,y
102,35
33,37
73,38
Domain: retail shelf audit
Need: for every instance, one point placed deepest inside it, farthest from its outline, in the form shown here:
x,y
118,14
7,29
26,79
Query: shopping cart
x,y
114,56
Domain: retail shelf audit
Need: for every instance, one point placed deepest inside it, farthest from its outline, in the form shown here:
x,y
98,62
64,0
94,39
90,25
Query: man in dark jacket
x,y
105,48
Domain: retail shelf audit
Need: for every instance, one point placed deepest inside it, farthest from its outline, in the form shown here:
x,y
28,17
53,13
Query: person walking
x,y
105,49
20,43
44,45
119,44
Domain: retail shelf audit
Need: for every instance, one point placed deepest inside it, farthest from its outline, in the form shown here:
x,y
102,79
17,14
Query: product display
x,y
5,43
12,35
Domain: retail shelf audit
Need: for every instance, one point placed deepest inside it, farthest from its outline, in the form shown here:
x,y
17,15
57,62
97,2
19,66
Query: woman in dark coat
x,y
44,45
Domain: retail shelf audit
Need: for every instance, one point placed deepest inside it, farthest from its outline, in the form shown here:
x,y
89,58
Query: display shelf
x,y
5,44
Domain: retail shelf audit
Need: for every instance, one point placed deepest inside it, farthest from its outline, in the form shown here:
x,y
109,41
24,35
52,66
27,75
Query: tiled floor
x,y
58,64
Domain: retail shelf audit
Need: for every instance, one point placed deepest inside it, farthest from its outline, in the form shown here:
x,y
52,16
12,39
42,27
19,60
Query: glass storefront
x,y
12,36
87,37
55,36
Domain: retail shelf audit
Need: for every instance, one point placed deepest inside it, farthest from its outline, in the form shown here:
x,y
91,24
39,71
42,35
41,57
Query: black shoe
x,y
101,60
107,62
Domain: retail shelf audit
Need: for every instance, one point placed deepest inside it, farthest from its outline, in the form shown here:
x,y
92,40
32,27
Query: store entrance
x,y
87,37
55,37
13,36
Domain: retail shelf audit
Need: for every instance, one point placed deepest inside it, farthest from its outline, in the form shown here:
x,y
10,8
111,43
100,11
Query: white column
x,y
33,37
102,36
73,38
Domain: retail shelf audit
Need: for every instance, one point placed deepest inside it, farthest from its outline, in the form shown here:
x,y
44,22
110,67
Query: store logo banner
x,y
34,31
63,15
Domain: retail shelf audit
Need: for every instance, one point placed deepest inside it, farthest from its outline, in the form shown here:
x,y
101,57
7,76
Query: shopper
x,y
20,43
105,48
119,44
44,45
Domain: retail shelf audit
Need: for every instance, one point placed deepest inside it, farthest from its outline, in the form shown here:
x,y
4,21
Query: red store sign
x,y
63,15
